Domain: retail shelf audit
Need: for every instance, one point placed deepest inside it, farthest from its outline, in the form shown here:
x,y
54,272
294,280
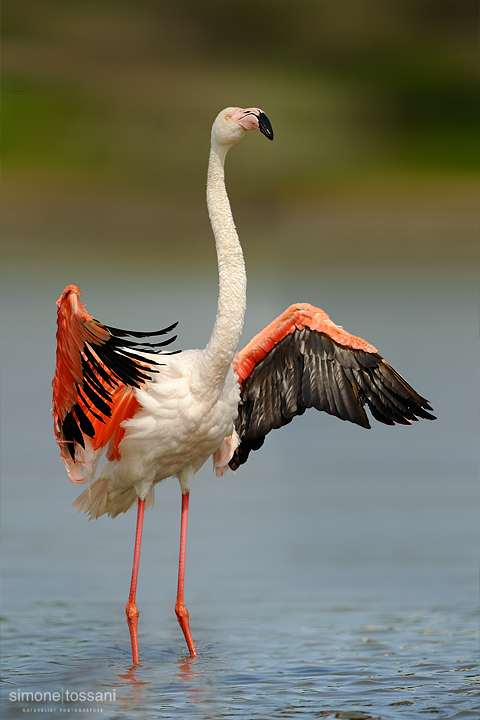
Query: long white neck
x,y
222,346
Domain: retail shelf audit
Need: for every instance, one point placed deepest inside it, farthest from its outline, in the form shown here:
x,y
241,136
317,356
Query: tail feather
x,y
96,499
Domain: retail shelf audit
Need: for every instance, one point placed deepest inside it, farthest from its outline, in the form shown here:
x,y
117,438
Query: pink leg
x,y
132,612
180,609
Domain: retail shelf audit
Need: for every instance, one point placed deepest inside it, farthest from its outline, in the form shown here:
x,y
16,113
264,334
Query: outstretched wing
x,y
302,360
96,374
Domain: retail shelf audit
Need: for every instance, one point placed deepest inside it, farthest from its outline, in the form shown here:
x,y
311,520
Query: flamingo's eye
x,y
227,117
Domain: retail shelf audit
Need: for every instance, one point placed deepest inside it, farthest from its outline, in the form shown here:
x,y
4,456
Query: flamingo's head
x,y
231,124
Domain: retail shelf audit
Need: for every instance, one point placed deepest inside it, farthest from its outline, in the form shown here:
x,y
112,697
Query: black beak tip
x,y
265,126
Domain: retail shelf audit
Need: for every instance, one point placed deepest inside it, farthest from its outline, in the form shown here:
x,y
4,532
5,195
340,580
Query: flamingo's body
x,y
160,414
173,432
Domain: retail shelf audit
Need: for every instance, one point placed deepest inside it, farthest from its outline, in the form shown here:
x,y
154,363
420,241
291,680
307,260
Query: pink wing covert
x,y
96,376
295,317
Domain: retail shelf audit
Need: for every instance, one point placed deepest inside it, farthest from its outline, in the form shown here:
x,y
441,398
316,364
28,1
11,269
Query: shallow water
x,y
335,575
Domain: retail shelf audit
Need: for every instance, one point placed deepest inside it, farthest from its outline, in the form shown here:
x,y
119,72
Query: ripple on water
x,y
399,674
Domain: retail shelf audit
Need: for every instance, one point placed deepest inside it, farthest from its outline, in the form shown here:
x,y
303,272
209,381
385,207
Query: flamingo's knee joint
x,y
132,612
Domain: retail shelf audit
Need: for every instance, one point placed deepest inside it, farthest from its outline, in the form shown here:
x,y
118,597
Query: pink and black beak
x,y
253,119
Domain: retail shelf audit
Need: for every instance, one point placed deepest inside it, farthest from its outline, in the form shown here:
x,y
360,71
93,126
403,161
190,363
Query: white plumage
x,y
175,431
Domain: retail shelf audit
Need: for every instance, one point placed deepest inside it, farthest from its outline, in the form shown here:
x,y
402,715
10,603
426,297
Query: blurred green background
x,y
107,108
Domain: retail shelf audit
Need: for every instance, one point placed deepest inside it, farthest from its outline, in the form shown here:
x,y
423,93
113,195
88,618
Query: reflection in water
x,y
134,686
186,666
190,675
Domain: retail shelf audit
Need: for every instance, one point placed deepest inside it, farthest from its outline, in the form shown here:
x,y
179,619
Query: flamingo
x,y
159,414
